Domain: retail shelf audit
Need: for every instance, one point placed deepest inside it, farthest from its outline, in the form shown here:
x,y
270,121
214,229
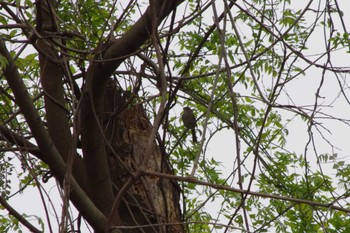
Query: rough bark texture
x,y
150,200
97,159
114,133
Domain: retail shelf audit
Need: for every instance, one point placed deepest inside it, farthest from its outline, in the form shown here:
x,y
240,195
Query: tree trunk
x,y
114,129
148,200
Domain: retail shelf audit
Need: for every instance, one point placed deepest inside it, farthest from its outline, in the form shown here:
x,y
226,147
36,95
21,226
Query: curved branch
x,y
18,216
45,144
193,180
16,139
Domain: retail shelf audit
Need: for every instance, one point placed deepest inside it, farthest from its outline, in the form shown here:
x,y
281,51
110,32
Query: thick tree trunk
x,y
148,200
52,73
114,132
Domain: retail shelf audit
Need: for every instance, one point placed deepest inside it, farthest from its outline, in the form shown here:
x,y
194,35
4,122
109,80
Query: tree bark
x,y
93,138
114,132
148,200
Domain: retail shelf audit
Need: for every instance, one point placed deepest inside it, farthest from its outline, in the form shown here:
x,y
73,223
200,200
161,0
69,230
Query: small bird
x,y
190,122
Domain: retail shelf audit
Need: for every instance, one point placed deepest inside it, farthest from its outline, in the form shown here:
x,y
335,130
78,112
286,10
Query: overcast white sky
x,y
222,146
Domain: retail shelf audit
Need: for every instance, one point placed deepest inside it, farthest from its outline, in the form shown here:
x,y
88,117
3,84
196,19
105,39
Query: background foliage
x,y
266,79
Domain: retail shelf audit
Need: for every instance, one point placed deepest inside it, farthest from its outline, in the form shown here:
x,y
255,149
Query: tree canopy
x,y
92,93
